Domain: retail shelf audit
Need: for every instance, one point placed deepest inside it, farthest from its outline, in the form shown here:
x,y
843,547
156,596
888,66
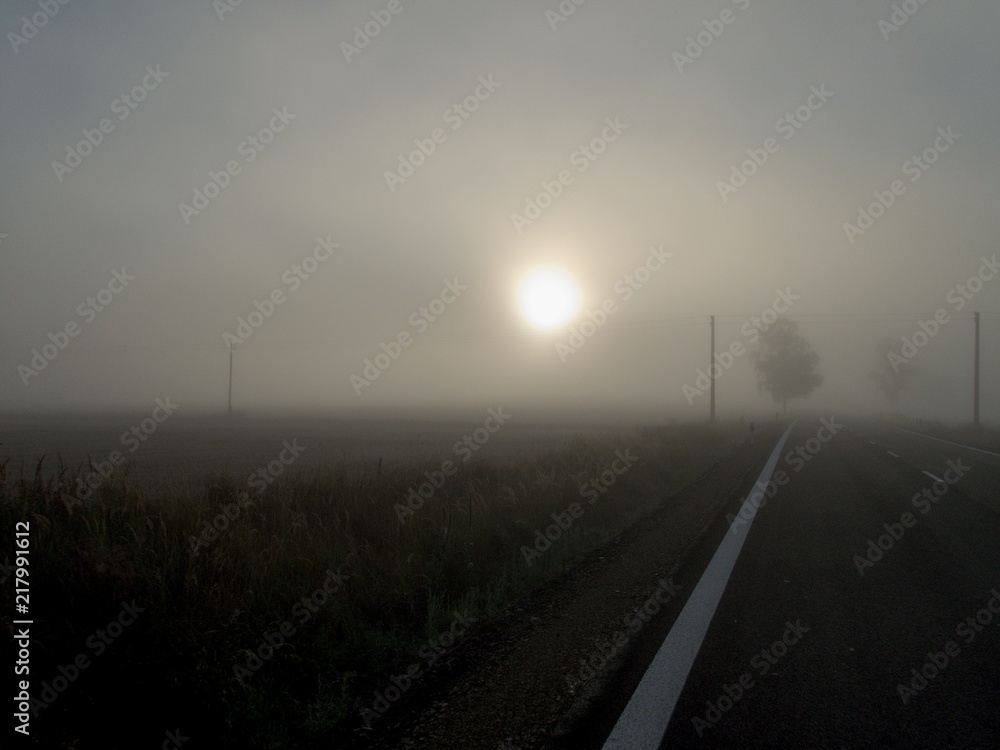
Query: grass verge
x,y
301,600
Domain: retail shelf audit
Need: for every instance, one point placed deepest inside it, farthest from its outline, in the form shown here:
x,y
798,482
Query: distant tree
x,y
890,377
785,363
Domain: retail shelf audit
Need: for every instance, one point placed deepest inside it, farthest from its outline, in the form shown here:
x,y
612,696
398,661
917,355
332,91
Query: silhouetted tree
x,y
785,363
890,378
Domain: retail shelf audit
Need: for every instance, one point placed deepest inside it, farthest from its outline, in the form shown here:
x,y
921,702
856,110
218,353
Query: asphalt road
x,y
862,609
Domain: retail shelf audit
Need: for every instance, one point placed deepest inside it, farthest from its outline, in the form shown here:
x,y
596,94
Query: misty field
x,y
273,613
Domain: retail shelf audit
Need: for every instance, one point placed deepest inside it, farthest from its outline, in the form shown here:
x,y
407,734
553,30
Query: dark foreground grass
x,y
139,631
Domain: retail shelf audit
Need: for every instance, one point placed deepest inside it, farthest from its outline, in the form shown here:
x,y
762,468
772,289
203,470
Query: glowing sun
x,y
548,297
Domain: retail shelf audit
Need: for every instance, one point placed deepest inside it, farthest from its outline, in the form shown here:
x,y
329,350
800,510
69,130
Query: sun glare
x,y
548,297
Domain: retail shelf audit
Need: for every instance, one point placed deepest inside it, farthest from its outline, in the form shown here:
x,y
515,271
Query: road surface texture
x,y
858,605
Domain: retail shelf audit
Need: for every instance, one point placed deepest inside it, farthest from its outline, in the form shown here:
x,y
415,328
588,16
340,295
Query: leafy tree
x,y
785,363
890,379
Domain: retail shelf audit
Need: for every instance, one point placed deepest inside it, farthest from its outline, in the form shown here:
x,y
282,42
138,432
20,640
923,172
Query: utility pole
x,y
230,406
975,377
711,364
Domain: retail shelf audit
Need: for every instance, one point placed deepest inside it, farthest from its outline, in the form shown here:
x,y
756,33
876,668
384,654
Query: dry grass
x,y
174,666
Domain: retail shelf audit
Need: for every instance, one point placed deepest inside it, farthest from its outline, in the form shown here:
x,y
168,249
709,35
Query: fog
x,y
405,182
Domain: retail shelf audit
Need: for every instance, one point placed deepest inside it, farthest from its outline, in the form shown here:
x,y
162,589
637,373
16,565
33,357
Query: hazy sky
x,y
532,89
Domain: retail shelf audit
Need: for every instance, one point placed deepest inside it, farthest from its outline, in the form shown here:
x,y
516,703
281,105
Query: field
x,y
259,582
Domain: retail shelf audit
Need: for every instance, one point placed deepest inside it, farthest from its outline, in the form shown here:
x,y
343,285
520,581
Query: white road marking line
x,y
942,440
644,720
894,455
872,442
936,479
